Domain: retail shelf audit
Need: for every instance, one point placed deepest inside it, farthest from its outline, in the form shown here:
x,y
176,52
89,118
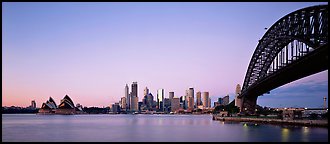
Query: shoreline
x,y
315,123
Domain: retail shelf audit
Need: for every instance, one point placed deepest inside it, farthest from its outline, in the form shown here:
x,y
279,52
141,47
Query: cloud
x,y
308,94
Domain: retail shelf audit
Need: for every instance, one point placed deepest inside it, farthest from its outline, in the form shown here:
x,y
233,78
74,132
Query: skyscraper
x,y
238,101
171,95
190,103
160,99
128,98
146,91
225,100
175,104
205,99
198,99
134,104
134,97
134,89
123,103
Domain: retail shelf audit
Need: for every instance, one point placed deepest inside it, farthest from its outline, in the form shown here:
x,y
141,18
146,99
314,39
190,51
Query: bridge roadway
x,y
313,62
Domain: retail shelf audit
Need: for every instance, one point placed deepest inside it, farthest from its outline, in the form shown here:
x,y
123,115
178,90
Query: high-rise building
x,y
175,104
148,101
134,104
205,99
225,100
209,104
220,101
128,98
134,89
190,103
171,95
167,105
191,94
160,99
238,101
123,103
146,91
198,99
115,108
33,104
134,97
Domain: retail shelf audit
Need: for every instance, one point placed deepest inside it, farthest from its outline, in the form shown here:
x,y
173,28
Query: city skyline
x,y
90,51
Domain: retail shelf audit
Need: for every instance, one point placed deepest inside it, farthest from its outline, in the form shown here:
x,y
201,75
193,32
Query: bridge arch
x,y
295,37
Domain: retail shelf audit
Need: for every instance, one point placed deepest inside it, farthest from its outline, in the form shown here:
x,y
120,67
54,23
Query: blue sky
x,y
90,51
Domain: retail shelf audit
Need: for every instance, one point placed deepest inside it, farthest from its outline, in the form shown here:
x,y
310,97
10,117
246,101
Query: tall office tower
x,y
185,105
160,99
134,89
191,94
171,95
205,99
134,97
198,99
123,103
128,98
146,91
225,100
238,101
175,104
134,104
190,103
220,101
33,104
209,104
167,105
150,100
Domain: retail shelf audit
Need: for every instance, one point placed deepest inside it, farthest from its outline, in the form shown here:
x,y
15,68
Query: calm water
x,y
31,127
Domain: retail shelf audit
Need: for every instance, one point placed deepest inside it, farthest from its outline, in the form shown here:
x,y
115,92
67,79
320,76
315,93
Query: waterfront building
x,y
190,103
146,91
225,100
48,107
134,104
33,104
134,90
171,95
141,106
160,99
175,104
209,103
115,108
66,106
198,99
167,105
238,101
205,99
191,94
220,101
123,103
128,98
134,98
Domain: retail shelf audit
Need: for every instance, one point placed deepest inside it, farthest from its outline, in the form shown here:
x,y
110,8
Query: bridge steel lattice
x,y
294,47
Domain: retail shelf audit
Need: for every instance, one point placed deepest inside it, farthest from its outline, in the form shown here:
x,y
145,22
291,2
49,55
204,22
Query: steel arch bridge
x,y
294,47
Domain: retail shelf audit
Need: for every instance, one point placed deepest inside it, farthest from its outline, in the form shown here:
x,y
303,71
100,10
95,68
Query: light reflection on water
x,y
30,127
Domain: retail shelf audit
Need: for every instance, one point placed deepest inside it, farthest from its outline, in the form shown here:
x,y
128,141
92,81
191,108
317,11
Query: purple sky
x,y
90,51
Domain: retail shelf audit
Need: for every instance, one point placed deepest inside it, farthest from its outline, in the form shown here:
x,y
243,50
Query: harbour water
x,y
148,128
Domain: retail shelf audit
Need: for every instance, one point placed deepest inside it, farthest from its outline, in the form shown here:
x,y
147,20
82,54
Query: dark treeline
x,y
13,110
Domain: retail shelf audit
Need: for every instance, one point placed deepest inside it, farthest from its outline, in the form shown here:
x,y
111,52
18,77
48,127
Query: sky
x,y
90,51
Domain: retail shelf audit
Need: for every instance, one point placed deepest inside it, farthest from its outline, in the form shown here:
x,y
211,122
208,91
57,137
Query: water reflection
x,y
285,134
151,128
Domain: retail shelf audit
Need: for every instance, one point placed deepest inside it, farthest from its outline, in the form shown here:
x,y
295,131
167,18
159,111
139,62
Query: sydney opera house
x,y
65,107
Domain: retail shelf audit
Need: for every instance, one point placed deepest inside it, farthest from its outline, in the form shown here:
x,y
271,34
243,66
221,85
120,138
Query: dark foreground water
x,y
171,128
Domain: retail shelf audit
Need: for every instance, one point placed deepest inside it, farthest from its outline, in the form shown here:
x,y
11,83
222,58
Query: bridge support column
x,y
249,105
